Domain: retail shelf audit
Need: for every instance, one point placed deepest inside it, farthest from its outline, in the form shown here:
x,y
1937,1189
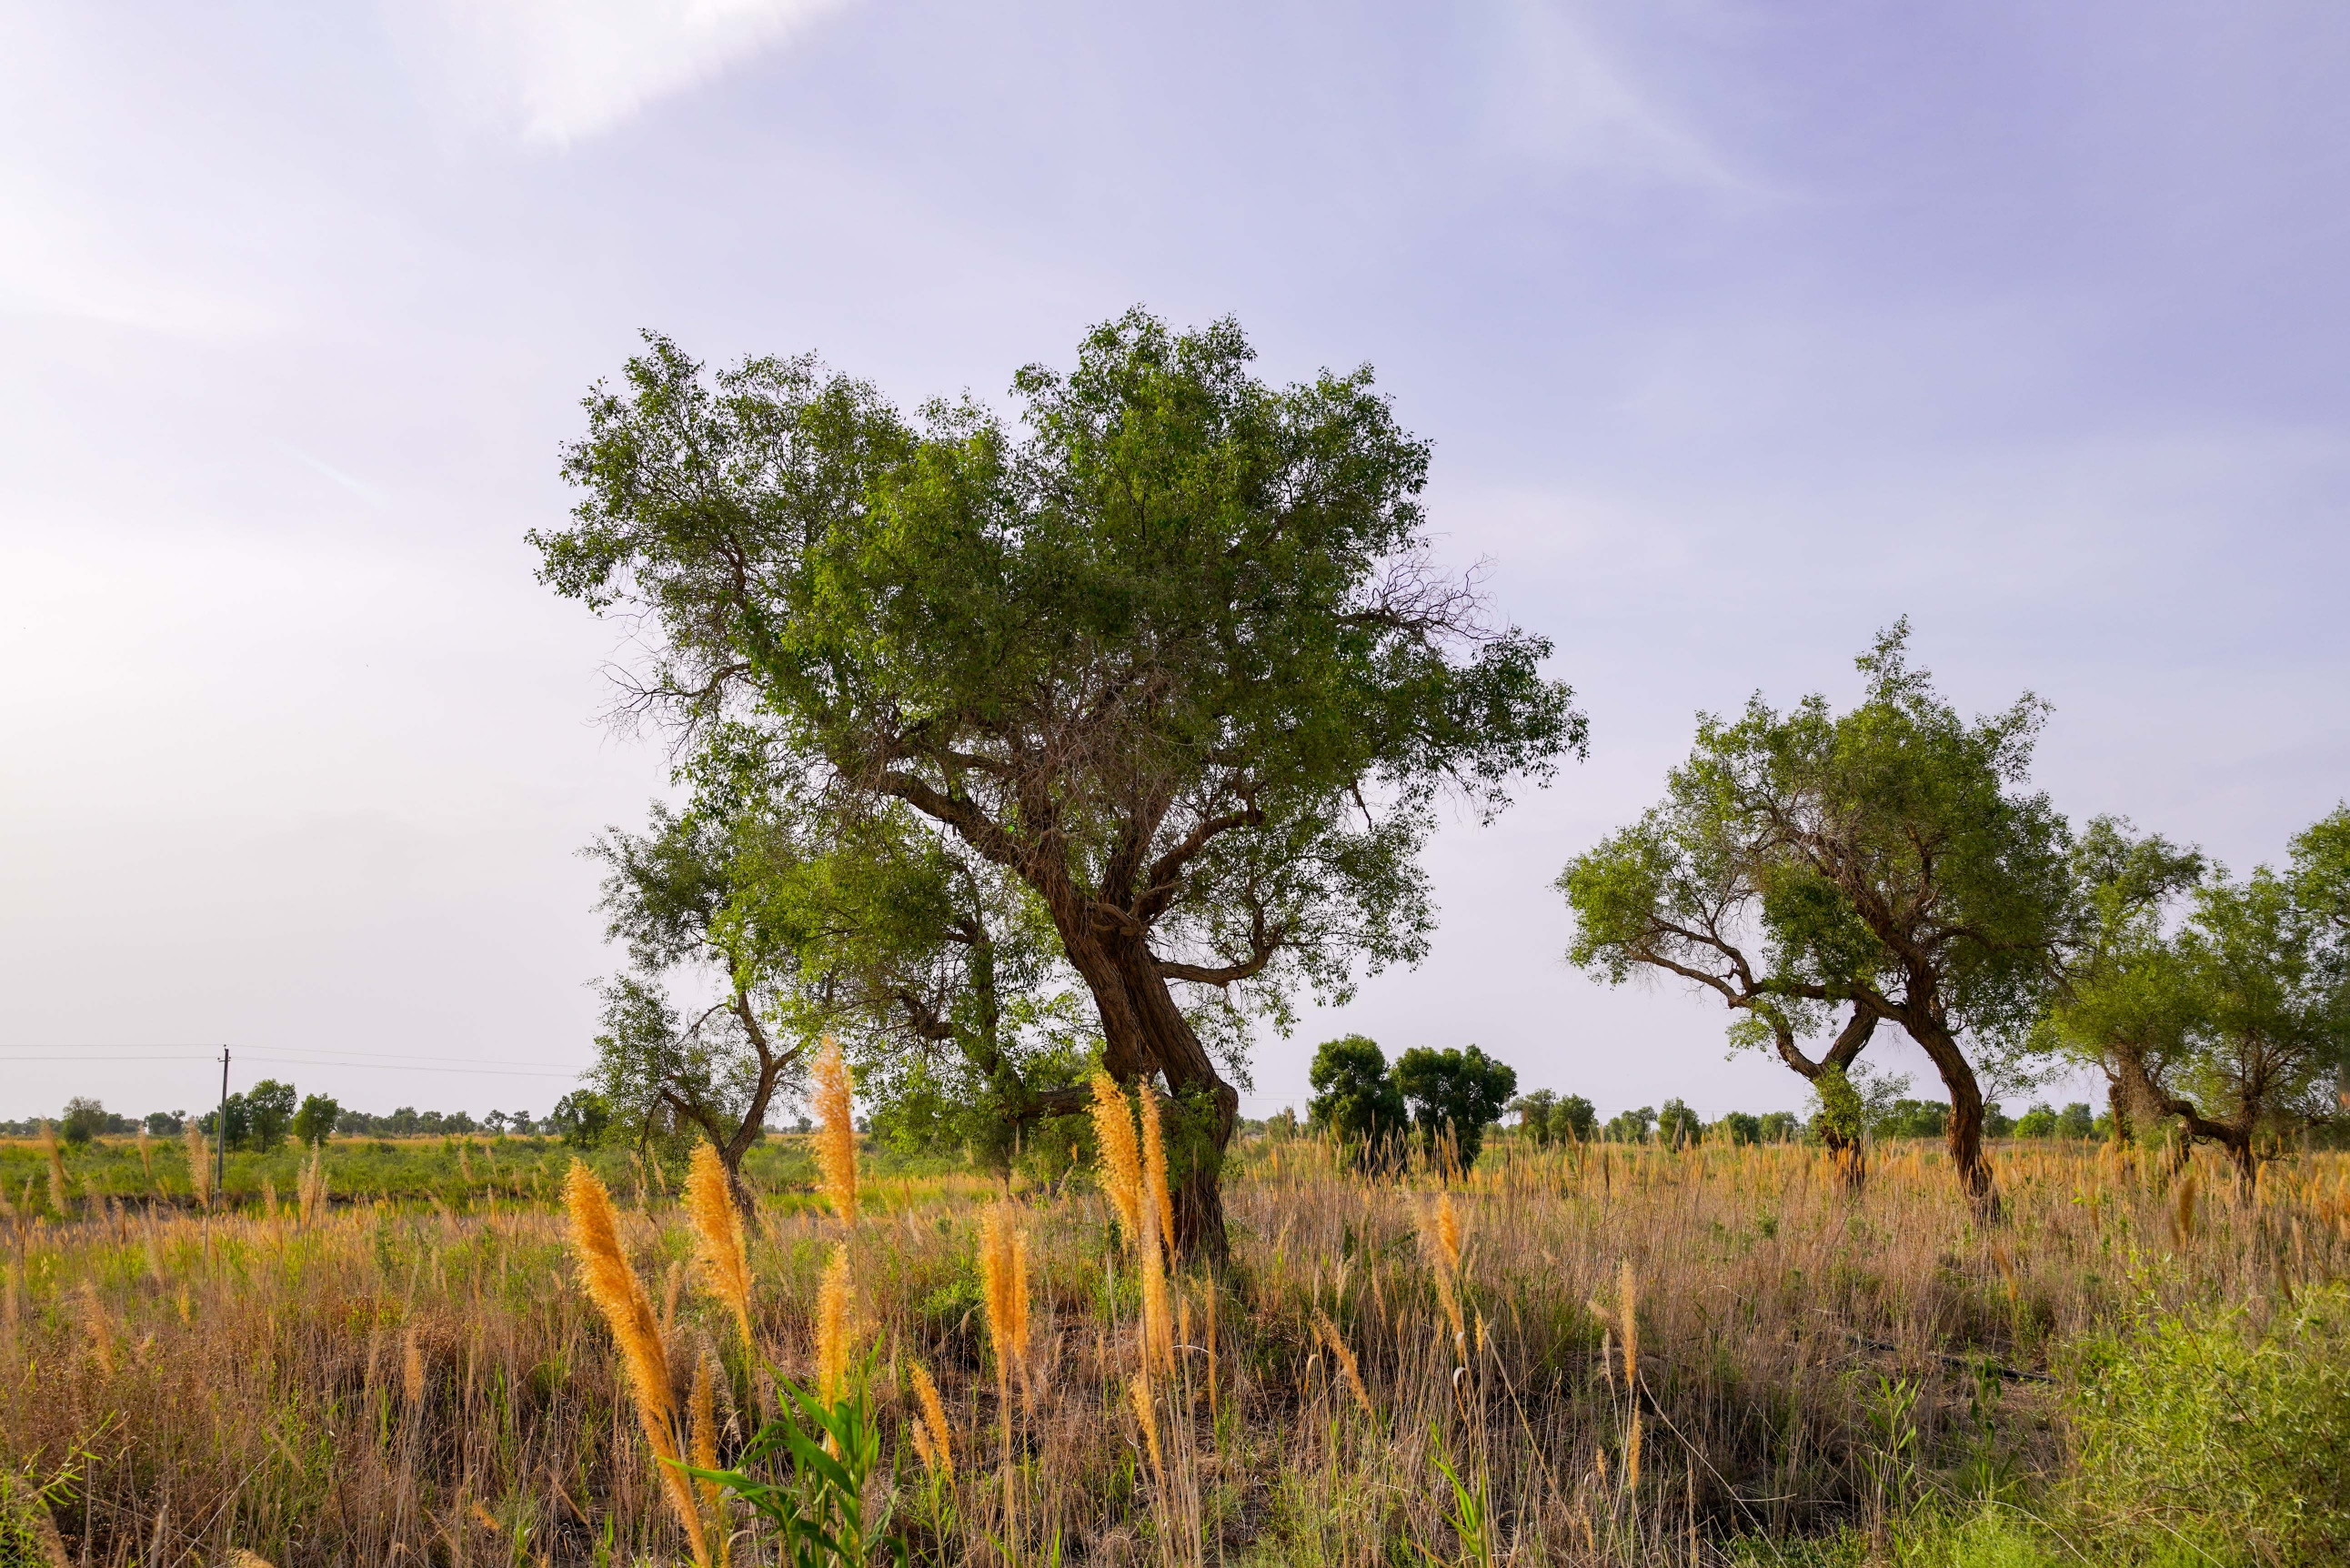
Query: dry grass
x,y
1646,1342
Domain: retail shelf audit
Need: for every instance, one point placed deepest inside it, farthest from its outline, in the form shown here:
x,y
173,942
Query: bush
x,y
2205,1430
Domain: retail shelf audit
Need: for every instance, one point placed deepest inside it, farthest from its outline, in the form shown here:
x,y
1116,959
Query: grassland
x,y
1710,1356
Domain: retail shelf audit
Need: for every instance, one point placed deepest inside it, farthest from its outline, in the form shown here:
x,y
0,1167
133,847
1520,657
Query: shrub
x,y
2206,1430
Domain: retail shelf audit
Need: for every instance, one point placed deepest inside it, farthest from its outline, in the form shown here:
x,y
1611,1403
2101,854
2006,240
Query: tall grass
x,y
1604,1354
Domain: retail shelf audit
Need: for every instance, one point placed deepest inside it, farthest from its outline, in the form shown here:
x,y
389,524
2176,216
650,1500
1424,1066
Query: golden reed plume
x,y
1440,1238
1628,1297
931,1438
718,1237
200,1164
1344,1356
833,1330
836,1139
705,1447
1158,1331
1154,1169
618,1293
1121,1159
1003,1273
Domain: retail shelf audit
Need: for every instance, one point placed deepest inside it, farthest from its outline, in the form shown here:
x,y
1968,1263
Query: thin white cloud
x,y
1558,93
558,71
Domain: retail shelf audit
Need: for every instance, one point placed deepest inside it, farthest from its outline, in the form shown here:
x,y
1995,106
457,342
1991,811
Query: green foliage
x,y
581,1118
1454,1096
314,1122
1168,649
1632,1126
1678,1127
28,1532
83,1120
1354,1097
2040,1121
257,1119
1838,1115
1740,1127
2236,1022
2210,1429
1780,1126
1912,1118
817,1511
1547,1117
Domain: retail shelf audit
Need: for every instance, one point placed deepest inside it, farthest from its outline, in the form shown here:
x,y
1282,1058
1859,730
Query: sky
x,y
1740,331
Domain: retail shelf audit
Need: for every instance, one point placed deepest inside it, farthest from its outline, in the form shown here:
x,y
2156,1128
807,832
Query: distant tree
x,y
1632,1127
2075,1122
1454,1094
83,1120
1780,1126
269,1114
580,1118
1574,1119
1354,1097
314,1124
2236,1025
2040,1121
1171,653
165,1124
1534,1113
1678,1127
1913,1118
1740,1127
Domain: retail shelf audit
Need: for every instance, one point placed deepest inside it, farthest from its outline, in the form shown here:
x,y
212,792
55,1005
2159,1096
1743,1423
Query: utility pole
x,y
220,1132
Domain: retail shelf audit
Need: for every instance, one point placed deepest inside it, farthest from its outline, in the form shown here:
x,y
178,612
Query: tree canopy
x,y
1171,650
1454,1094
1888,859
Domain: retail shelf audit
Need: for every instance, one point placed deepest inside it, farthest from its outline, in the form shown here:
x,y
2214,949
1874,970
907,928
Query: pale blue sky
x,y
1739,329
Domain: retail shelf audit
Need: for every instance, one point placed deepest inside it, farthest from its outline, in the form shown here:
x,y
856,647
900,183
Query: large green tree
x,y
1168,649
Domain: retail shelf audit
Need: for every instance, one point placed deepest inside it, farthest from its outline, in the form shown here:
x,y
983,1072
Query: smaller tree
x,y
1678,1127
1575,1118
84,1119
314,1124
269,1114
1534,1113
1632,1126
1354,1099
580,1118
1740,1127
1454,1096
165,1123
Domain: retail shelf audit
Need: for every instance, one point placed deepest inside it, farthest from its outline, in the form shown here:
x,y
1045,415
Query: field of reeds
x,y
1600,1354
